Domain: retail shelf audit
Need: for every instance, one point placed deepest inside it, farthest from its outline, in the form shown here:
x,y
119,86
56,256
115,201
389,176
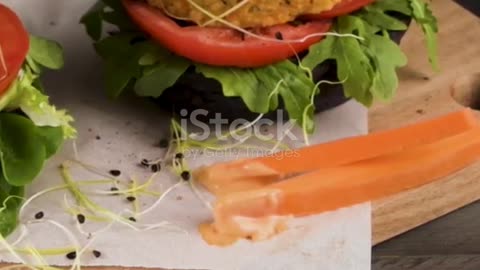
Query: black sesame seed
x,y
97,253
131,198
185,175
279,36
163,143
156,167
81,218
132,219
39,215
144,163
72,255
98,137
179,156
115,172
113,189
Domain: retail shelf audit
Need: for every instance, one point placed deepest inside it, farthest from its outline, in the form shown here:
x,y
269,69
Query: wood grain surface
x,y
423,94
451,242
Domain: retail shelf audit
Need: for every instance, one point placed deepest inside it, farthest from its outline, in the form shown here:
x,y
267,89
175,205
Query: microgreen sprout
x,y
134,195
11,197
226,13
91,169
3,65
265,38
39,194
311,106
11,250
133,189
159,200
46,252
89,205
23,234
71,237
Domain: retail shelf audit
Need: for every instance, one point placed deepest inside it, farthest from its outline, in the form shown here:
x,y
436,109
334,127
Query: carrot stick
x,y
219,178
332,188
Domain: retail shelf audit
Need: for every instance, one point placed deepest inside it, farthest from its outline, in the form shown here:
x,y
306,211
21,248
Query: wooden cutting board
x,y
423,94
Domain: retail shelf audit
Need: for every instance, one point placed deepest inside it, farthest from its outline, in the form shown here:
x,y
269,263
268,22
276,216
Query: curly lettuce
x,y
31,129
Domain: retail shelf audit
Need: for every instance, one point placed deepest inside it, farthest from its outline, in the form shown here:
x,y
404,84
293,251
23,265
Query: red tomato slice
x,y
222,46
342,8
14,44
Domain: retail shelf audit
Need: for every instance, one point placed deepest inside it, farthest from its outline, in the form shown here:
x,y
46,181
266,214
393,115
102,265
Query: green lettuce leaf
x,y
36,105
353,63
255,86
31,129
366,65
26,92
424,17
21,155
385,80
52,138
45,53
369,65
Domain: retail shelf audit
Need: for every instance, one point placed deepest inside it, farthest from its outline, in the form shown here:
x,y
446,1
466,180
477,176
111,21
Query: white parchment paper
x,y
118,134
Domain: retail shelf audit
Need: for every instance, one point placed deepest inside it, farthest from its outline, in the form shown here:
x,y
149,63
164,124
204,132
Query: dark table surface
x,y
472,5
449,243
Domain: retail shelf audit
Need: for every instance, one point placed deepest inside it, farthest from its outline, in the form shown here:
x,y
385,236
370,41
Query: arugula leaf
x,y
387,57
93,21
391,5
108,11
368,65
255,86
161,76
46,53
21,155
122,61
242,83
424,17
353,64
378,18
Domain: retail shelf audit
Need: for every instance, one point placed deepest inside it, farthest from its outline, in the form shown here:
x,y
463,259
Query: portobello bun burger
x,y
31,129
251,57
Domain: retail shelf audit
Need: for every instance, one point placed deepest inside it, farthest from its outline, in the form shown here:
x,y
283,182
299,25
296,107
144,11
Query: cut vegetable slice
x,y
14,46
244,214
243,174
221,46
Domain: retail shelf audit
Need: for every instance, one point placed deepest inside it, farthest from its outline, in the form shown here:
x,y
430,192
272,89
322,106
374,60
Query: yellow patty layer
x,y
255,13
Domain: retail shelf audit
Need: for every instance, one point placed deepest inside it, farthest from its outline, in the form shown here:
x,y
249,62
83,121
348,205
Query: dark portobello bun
x,y
194,91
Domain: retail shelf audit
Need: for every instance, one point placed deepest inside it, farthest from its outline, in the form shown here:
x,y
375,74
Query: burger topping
x,y
365,56
225,47
13,47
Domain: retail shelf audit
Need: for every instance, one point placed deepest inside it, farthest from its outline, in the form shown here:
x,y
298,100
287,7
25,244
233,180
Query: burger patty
x,y
255,13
